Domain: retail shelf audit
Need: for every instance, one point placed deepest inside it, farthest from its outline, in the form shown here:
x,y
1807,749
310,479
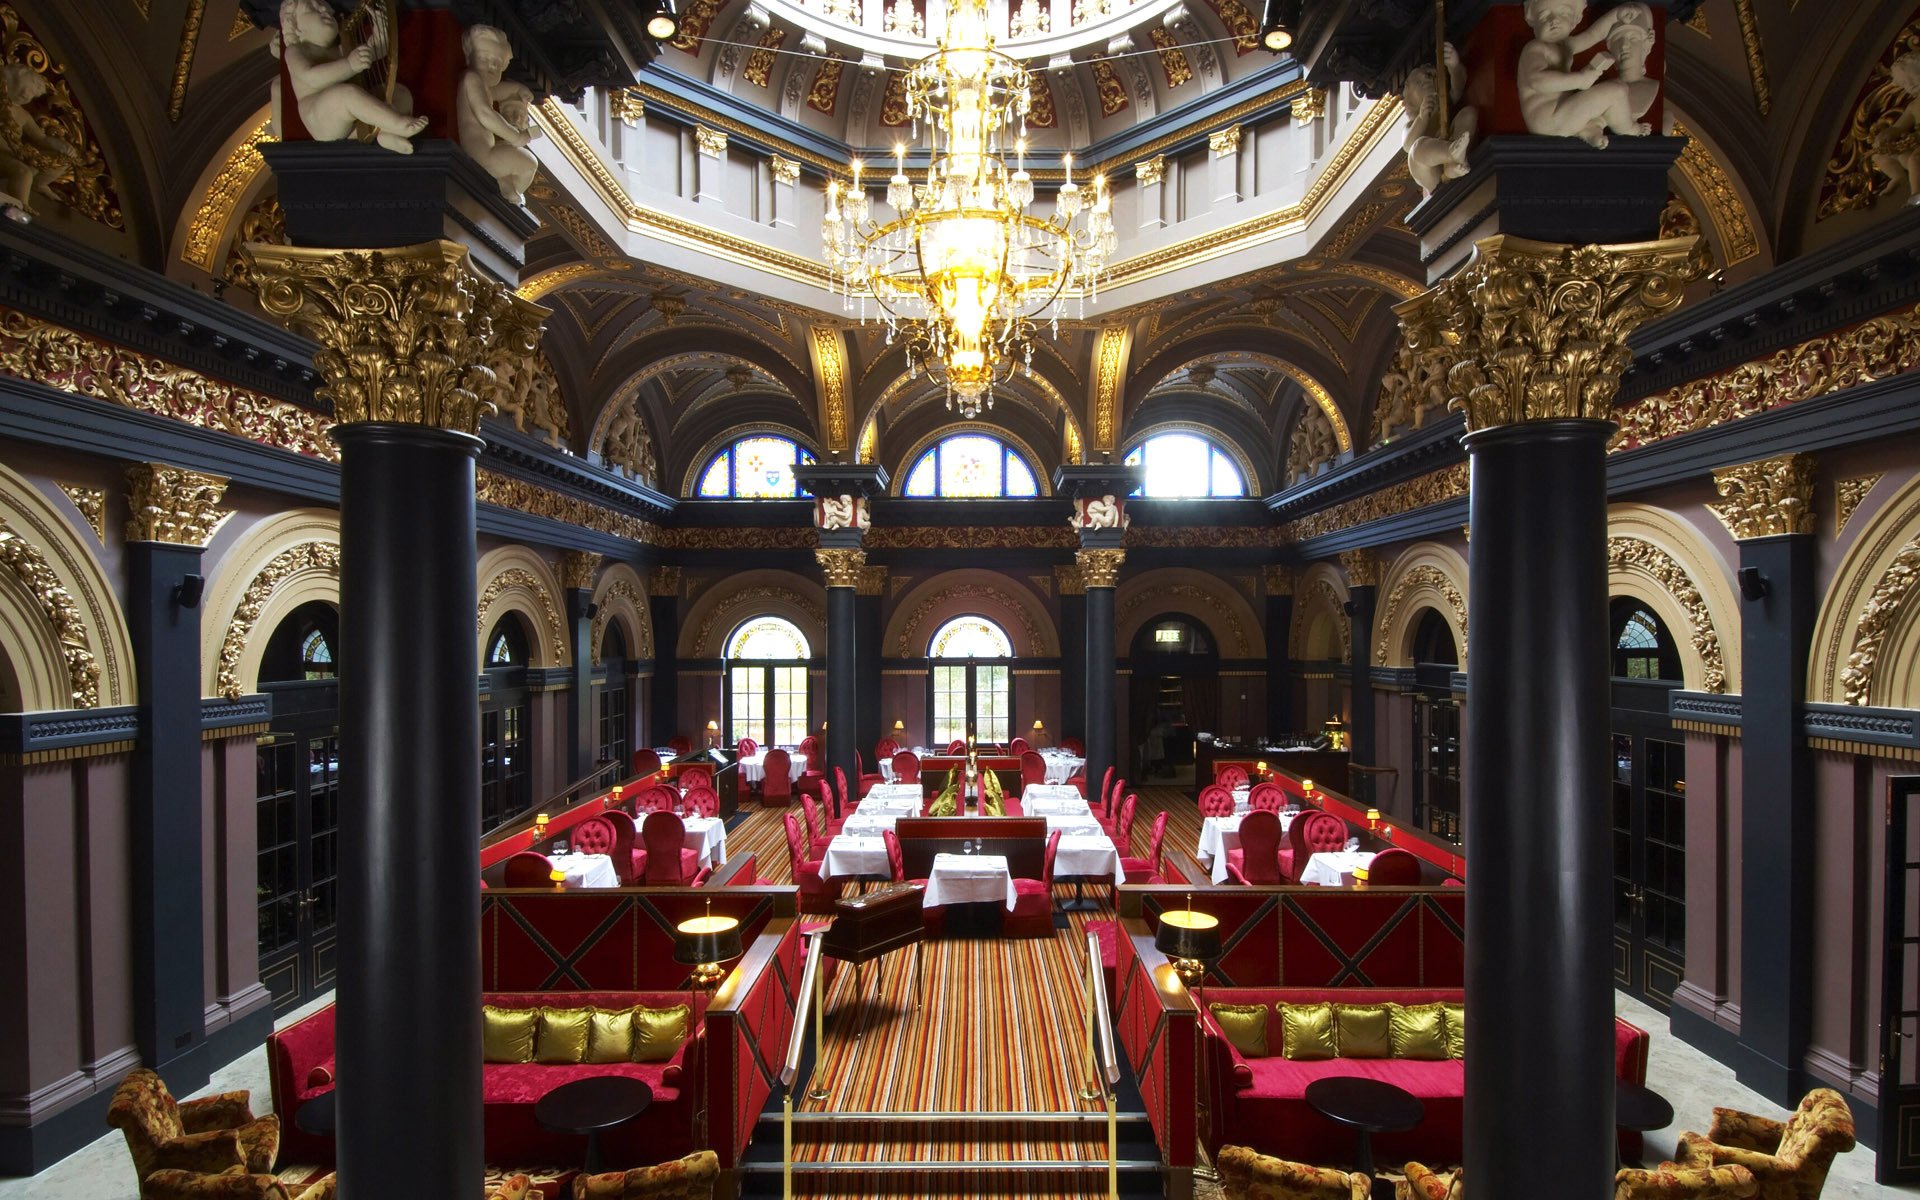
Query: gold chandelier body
x,y
962,270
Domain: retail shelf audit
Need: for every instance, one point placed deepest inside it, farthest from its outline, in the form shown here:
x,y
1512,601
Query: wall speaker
x,y
593,610
1753,585
1350,608
188,591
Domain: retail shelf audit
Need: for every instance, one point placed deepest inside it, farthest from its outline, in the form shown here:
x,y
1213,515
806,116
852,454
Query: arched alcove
x,y
516,579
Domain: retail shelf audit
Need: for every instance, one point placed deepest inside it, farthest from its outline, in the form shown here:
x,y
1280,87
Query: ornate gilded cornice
x,y
1279,580
1212,537
1847,495
520,577
1766,498
1884,606
490,487
969,537
1150,171
1100,568
173,505
842,566
663,581
307,556
1425,575
92,503
1435,487
403,333
29,568
1536,331
577,569
1672,578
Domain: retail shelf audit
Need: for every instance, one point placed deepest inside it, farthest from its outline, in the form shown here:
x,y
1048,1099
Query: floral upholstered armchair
x,y
1671,1181
1790,1159
202,1136
1250,1175
1424,1183
237,1183
689,1178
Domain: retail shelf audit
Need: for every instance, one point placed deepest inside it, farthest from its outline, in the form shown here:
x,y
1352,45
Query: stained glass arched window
x,y
971,464
768,637
1642,647
316,655
1186,465
767,682
757,467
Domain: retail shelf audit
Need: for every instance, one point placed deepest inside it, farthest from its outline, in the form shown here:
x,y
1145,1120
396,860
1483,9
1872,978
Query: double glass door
x,y
971,697
1649,864
297,816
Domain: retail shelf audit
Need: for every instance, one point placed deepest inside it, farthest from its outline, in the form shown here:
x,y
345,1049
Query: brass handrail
x,y
1100,1051
809,1002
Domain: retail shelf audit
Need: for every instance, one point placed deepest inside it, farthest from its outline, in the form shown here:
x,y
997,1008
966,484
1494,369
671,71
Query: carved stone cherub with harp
x,y
325,94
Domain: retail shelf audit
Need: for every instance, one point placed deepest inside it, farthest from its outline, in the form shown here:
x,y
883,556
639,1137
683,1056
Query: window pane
x,y
1020,480
768,637
716,481
746,709
764,468
949,704
970,466
1226,477
990,703
970,637
924,479
789,705
1186,464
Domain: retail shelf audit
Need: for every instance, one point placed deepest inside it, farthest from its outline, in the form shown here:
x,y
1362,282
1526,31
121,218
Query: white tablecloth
x,y
848,855
753,768
1073,825
970,878
1328,866
1040,799
889,793
1221,835
586,870
1061,765
1088,856
869,824
707,837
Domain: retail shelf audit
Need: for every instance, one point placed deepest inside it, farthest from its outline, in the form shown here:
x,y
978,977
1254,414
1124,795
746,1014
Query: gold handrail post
x,y
817,1088
786,1163
1091,1090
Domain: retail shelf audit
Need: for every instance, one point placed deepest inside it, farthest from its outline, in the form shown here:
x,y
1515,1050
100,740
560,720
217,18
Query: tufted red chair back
x,y
645,762
1267,797
810,746
664,836
595,835
1107,793
957,746
896,858
1230,776
1018,746
527,870
906,766
778,782
840,790
1046,863
1123,829
1395,867
885,749
1312,832
796,842
1157,840
680,744
748,748
697,776
1260,848
1215,801
813,816
703,802
657,798
626,836
1033,769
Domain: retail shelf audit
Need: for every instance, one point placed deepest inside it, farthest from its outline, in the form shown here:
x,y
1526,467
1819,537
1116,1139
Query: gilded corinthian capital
x,y
841,566
1100,568
172,505
1766,498
1537,331
404,333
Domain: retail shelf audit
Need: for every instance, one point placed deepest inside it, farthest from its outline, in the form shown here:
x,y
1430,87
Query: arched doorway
x,y
970,684
1649,806
1175,692
1436,727
504,782
296,806
766,663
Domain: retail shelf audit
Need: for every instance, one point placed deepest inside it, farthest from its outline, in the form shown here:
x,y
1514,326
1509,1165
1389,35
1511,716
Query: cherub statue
x,y
31,159
324,94
1896,149
1631,43
494,123
1103,513
837,512
1434,154
511,384
1560,101
627,446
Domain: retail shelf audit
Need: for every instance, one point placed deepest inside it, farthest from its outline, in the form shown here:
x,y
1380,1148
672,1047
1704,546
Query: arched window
x,y
302,645
971,464
759,467
767,682
1186,465
1642,647
504,783
1433,640
508,646
973,696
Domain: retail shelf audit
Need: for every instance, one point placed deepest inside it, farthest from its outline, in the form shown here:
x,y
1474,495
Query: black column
x,y
866,723
1361,599
582,722
1279,667
169,993
1539,909
1073,667
1100,678
843,683
663,690
1776,818
407,1024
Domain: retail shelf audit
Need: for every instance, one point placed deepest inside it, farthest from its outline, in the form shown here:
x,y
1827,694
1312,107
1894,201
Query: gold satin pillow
x,y
1456,1030
610,1036
563,1035
1308,1031
1363,1030
507,1033
658,1032
1419,1030
1245,1026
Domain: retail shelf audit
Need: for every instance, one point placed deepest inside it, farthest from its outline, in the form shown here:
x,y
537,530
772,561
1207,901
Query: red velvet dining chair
x,y
1266,797
747,748
645,762
680,744
1312,832
814,819
633,871
1074,746
844,806
1033,769
813,773
1147,870
777,786
702,802
1230,776
601,835
818,893
1018,746
864,781
885,749
658,797
1032,912
527,870
1123,825
957,746
931,919
1215,801
669,862
906,767
695,775
1258,858
1078,781
1395,868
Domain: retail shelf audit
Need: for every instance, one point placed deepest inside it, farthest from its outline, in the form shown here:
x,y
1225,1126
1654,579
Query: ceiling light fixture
x,y
663,24
1275,32
960,269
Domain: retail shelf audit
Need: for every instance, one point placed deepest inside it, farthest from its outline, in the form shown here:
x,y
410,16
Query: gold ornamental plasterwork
x,y
1278,580
1536,331
1100,568
622,589
663,581
520,577
1309,105
583,231
82,365
1635,553
552,281
490,487
907,644
1320,594
1224,142
873,581
1424,575
1110,364
403,333
1852,181
969,537
307,556
1756,55
87,187
37,579
183,58
710,142
1211,537
841,565
1875,349
1151,170
1847,495
1715,189
627,105
785,170
1363,568
830,357
173,505
1435,487
1767,498
264,221
577,569
1878,618
754,599
222,197
92,503
1068,580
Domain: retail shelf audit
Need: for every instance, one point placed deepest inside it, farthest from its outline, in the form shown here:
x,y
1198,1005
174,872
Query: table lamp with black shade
x,y
1190,940
705,942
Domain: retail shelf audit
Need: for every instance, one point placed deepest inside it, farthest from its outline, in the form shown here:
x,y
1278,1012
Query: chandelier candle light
x,y
962,270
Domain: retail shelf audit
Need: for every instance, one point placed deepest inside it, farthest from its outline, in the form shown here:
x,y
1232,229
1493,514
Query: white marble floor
x,y
1693,1082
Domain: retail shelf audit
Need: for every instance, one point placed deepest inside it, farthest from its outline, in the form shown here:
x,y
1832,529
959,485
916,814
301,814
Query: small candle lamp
x,y
1373,818
1336,731
713,733
1260,771
1306,786
1188,939
899,726
1360,876
559,878
540,825
705,942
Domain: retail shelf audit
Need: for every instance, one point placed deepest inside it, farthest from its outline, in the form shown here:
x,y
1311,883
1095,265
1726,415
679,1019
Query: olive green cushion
x,y
1419,1030
1245,1026
1308,1031
1363,1030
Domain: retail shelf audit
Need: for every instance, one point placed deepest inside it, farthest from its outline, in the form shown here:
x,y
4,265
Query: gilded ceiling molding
x,y
830,375
547,282
585,234
1422,491
213,214
183,58
505,491
1756,56
1882,613
1035,462
621,596
82,365
1110,371
30,570
1767,498
88,188
1852,181
92,503
869,443
1355,227
1879,348
173,505
904,645
760,597
1641,556
1847,495
313,556
1715,188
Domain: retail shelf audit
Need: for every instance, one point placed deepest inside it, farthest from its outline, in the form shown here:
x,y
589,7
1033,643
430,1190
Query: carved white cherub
x,y
1103,513
31,159
1896,149
1433,154
1558,100
1630,41
324,94
494,124
836,512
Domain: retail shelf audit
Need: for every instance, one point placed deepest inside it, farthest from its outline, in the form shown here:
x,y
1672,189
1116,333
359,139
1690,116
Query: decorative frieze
x,y
92,503
173,505
1847,495
1767,498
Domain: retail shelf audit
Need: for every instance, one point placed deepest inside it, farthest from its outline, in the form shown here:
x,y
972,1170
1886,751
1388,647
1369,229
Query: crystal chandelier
x,y
959,268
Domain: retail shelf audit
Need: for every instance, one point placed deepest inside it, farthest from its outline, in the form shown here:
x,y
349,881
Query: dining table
x,y
753,767
585,870
1334,868
1220,836
969,879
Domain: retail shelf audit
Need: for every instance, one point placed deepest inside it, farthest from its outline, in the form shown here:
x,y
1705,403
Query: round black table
x,y
316,1116
1639,1109
590,1105
1368,1106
